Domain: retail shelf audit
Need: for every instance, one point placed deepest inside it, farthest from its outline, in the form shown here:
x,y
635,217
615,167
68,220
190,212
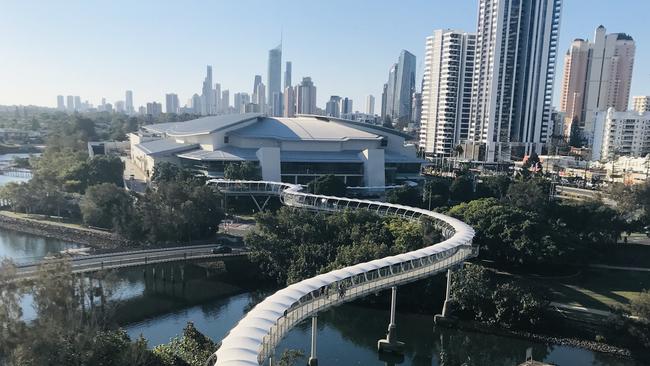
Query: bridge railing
x,y
25,271
255,337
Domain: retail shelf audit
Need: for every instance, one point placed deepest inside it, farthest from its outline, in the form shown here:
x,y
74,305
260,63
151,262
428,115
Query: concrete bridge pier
x,y
313,361
390,344
447,304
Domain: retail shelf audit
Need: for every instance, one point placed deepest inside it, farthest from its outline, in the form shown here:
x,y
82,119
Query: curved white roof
x,y
303,129
243,344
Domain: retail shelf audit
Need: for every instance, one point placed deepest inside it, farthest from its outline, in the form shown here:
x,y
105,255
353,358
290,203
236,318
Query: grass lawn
x,y
593,288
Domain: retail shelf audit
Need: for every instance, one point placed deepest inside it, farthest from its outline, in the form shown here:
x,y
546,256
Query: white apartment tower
x,y
621,134
641,103
446,91
516,49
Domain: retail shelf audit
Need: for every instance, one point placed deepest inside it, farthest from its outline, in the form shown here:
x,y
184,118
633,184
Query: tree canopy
x,y
328,185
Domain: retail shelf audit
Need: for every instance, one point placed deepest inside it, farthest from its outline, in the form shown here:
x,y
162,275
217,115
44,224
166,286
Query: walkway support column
x,y
390,344
313,361
447,304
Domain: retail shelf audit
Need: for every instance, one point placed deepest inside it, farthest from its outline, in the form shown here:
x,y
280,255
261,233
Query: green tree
x,y
179,211
107,206
531,194
247,170
290,357
11,325
462,189
405,195
191,349
479,295
436,192
493,186
328,185
105,169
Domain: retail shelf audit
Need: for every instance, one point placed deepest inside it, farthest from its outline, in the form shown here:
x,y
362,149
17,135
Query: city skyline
x,y
77,73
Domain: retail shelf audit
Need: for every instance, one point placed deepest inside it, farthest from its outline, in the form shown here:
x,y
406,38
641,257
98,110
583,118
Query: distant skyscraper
x,y
196,104
513,77
240,102
287,75
60,103
446,91
384,101
333,107
289,102
306,97
216,95
77,103
261,97
597,76
171,103
207,99
154,109
370,105
256,86
129,102
225,101
346,107
274,81
401,86
70,103
119,106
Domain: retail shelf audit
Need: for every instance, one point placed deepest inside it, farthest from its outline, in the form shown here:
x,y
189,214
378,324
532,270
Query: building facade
x,y
400,89
516,48
621,134
641,104
370,105
206,95
597,76
129,102
293,150
446,91
274,81
306,97
171,103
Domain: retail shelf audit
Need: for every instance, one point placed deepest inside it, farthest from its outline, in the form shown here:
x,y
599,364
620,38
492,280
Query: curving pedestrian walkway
x,y
253,340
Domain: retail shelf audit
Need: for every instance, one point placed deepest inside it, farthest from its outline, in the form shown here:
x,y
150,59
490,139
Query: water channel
x,y
346,336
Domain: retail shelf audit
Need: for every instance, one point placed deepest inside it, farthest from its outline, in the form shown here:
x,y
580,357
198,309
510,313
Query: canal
x,y
347,335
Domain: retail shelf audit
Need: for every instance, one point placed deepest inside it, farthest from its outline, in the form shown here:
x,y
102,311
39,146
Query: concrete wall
x,y
269,158
374,174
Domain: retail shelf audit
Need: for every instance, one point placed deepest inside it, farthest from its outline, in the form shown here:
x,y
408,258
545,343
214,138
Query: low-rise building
x,y
621,134
293,150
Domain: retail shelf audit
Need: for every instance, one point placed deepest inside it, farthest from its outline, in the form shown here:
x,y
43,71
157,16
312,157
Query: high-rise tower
x,y
274,81
516,51
446,91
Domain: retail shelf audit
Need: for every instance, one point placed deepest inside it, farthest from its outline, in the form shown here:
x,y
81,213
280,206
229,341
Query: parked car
x,y
221,249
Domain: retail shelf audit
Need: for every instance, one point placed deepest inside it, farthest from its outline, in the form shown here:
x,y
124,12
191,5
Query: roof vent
x,y
321,118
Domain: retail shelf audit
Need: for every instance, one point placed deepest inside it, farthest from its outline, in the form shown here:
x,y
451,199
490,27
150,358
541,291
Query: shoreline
x,y
473,326
95,239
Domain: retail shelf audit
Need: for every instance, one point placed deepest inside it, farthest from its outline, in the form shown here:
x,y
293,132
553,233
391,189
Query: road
x,y
93,263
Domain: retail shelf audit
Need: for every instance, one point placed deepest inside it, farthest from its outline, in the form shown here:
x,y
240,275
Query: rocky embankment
x,y
571,342
91,238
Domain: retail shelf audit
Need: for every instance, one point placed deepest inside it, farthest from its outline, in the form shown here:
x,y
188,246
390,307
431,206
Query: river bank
x,y
600,347
95,239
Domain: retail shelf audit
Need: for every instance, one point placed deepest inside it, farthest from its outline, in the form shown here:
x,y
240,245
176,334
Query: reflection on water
x,y
22,248
347,335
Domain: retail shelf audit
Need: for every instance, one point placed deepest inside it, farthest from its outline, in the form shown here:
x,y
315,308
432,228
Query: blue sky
x,y
101,48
